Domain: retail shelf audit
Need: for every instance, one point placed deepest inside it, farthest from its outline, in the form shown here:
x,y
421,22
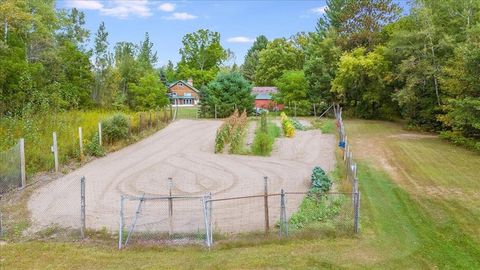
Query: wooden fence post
x,y
314,110
265,204
55,151
80,142
23,175
100,133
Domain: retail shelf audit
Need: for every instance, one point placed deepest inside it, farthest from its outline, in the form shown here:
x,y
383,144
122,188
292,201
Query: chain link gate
x,y
150,220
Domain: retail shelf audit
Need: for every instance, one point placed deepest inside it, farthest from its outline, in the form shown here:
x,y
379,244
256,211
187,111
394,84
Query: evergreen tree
x,y
252,57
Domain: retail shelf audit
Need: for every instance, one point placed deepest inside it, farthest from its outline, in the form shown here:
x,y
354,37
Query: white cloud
x,y
181,16
115,8
319,10
167,7
240,39
85,4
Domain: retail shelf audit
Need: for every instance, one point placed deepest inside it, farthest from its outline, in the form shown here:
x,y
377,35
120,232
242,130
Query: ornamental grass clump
x,y
287,126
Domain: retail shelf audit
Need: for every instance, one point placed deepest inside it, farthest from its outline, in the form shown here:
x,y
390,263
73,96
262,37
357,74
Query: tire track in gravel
x,y
184,151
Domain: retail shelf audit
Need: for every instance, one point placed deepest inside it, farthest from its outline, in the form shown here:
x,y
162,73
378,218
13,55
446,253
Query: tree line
x,y
46,63
379,64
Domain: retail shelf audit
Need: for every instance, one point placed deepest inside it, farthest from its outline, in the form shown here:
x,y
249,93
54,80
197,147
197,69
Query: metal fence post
x,y
23,175
170,207
205,217
314,110
283,215
83,226
1,225
210,217
80,142
100,133
357,212
55,151
265,205
120,229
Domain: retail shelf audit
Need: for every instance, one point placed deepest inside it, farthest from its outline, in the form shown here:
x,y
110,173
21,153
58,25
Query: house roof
x,y
267,96
184,83
264,89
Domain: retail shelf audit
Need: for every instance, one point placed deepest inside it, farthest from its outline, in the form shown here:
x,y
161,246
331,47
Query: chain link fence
x,y
153,220
280,214
58,213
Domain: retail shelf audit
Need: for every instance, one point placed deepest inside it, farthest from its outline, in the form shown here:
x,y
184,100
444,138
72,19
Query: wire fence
x,y
176,219
11,174
153,220
350,164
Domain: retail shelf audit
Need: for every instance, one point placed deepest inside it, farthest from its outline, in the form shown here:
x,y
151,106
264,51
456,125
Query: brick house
x,y
183,93
264,97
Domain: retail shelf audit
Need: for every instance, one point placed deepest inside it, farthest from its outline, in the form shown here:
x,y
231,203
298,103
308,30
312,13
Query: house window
x,y
187,94
180,84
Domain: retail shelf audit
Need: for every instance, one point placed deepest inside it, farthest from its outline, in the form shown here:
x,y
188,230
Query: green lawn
x,y
187,112
419,209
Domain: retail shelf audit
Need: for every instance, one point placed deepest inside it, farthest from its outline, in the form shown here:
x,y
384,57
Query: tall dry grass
x,y
37,131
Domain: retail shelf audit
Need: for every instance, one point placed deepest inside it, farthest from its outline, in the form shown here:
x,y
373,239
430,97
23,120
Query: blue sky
x,y
238,22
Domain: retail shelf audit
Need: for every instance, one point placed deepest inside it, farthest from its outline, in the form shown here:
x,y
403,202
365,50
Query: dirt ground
x,y
183,151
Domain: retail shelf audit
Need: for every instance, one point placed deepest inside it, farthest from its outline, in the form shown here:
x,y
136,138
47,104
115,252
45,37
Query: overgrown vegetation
x,y
316,206
327,126
37,132
264,137
287,126
231,133
116,128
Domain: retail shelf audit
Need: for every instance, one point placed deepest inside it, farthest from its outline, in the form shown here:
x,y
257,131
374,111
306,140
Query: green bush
x,y
265,138
320,181
116,128
262,144
93,147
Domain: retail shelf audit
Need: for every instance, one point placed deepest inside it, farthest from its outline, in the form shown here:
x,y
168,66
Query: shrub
x,y
265,138
262,144
287,126
116,128
93,147
320,181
